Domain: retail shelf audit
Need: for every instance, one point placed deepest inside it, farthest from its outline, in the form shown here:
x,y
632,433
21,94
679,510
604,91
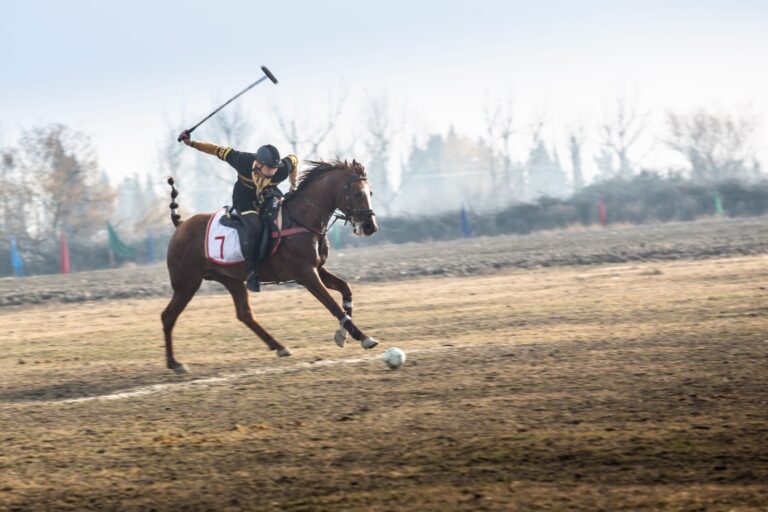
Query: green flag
x,y
334,235
116,245
718,203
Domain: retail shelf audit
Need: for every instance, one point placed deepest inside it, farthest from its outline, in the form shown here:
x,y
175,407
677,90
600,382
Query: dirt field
x,y
635,386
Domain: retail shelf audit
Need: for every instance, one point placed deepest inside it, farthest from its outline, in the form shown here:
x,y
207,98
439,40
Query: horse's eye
x,y
371,193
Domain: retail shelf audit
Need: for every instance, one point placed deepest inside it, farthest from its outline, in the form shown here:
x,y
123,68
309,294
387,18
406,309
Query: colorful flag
x,y
116,245
466,227
718,203
334,236
602,212
16,262
63,253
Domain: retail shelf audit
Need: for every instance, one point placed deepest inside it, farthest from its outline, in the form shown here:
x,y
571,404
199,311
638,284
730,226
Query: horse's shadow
x,y
83,388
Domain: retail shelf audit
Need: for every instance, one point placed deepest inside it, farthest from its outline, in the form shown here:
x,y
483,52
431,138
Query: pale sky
x,y
123,72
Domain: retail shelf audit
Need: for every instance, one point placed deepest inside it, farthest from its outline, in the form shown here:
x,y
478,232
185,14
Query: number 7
x,y
221,248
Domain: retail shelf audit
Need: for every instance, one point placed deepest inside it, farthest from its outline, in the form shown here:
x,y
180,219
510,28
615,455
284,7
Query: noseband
x,y
351,214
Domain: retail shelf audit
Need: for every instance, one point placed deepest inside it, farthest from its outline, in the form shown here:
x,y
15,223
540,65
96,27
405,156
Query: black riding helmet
x,y
268,155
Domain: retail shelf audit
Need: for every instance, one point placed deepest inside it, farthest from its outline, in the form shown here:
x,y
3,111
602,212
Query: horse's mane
x,y
320,168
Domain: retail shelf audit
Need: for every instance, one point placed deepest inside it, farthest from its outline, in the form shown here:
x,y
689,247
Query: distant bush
x,y
647,197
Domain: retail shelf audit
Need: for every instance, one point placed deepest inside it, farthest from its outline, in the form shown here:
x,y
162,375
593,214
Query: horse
x,y
322,189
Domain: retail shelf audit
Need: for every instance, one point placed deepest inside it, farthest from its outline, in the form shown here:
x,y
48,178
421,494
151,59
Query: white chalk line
x,y
207,382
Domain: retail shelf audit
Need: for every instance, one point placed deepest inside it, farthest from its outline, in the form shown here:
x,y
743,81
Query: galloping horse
x,y
323,189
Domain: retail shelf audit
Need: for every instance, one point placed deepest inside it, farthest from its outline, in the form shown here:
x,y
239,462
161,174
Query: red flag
x,y
602,213
64,253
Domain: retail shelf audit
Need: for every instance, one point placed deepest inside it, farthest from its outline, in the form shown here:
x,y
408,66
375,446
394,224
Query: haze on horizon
x,y
126,74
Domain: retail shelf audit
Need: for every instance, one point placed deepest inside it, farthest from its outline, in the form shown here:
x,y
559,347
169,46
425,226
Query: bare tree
x,y
545,174
718,146
492,116
69,193
305,137
620,134
202,179
529,180
170,152
15,196
575,142
378,145
500,127
154,213
231,127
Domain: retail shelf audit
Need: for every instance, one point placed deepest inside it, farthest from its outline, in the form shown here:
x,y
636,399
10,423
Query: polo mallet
x,y
267,74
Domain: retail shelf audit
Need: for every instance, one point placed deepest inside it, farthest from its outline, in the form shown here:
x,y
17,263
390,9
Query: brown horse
x,y
323,189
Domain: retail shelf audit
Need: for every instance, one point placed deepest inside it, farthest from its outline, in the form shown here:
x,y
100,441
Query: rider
x,y
258,175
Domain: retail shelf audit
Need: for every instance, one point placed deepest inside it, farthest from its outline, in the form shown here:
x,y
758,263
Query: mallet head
x,y
269,74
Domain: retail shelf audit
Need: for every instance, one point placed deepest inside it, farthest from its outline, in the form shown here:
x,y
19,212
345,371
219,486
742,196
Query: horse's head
x,y
345,187
355,201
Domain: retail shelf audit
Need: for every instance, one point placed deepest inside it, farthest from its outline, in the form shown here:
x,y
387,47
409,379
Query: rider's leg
x,y
253,223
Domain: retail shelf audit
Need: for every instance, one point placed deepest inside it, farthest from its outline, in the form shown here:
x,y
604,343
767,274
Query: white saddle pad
x,y
222,243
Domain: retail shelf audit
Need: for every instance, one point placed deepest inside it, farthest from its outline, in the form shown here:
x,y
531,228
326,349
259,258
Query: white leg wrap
x,y
347,305
341,335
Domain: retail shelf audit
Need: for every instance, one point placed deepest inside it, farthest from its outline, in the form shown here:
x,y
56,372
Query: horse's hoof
x,y
340,337
369,343
180,369
283,352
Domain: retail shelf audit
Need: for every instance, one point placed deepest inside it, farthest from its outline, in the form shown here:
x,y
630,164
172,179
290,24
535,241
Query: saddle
x,y
231,219
271,216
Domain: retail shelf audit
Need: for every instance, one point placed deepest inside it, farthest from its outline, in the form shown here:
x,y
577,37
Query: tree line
x,y
52,183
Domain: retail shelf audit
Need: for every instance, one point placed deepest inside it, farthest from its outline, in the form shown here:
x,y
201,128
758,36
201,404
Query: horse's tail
x,y
175,217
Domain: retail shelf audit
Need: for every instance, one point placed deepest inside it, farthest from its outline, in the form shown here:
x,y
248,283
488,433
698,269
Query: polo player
x,y
258,175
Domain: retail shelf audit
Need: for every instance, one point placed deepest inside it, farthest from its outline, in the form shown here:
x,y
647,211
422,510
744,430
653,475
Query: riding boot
x,y
252,256
252,280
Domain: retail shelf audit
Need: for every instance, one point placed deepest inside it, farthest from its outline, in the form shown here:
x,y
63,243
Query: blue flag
x,y
466,227
16,262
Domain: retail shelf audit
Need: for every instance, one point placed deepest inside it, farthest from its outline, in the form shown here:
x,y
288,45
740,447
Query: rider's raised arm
x,y
210,148
205,147
236,159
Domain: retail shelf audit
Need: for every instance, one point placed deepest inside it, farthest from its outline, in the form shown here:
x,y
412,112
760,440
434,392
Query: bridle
x,y
351,213
347,214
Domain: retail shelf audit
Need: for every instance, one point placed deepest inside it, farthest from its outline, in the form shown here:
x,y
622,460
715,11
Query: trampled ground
x,y
636,386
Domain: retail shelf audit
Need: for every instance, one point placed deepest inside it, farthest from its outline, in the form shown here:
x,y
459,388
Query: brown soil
x,y
617,387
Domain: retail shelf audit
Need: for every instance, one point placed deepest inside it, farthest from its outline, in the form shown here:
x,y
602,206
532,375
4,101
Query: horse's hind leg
x,y
243,309
179,301
334,282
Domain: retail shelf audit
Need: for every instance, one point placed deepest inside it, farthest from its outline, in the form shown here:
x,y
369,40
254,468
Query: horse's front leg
x,y
312,282
334,282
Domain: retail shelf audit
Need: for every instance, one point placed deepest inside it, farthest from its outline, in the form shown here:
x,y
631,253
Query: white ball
x,y
394,357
